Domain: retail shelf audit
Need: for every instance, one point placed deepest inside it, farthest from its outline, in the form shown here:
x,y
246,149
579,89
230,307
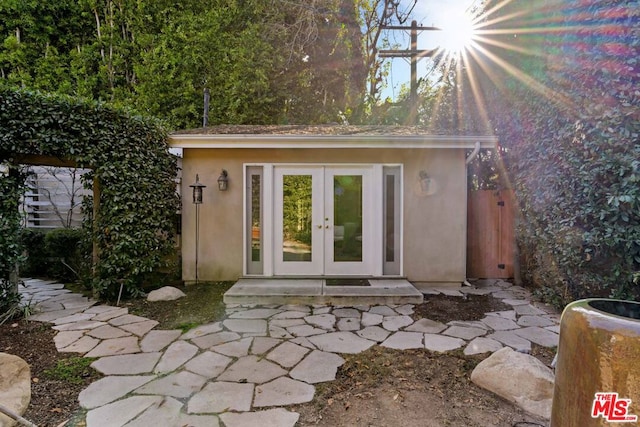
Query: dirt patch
x,y
442,308
52,400
410,388
418,388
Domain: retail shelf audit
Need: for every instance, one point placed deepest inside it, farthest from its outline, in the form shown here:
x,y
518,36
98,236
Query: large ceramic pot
x,y
599,352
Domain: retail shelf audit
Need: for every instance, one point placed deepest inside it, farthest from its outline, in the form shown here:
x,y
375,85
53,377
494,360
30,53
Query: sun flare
x,y
459,30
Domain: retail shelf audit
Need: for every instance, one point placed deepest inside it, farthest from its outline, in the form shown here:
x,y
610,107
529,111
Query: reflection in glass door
x,y
323,220
297,213
348,212
347,218
298,218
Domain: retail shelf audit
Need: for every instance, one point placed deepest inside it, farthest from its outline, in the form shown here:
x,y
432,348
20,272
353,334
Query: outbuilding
x,y
325,201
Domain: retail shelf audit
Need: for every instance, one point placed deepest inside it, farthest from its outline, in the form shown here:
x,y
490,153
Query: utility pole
x,y
415,55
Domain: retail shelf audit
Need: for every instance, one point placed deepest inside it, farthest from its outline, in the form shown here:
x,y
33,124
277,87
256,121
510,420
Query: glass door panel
x,y
298,221
297,213
348,221
347,218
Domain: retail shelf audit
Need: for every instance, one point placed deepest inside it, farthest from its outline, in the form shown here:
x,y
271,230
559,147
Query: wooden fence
x,y
490,234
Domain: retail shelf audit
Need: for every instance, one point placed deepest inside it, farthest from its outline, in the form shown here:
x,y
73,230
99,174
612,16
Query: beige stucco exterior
x,y
434,223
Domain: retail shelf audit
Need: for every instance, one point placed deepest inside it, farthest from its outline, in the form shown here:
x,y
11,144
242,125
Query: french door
x,y
323,220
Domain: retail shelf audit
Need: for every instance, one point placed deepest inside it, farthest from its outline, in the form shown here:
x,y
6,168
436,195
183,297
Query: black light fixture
x,y
223,181
197,200
197,190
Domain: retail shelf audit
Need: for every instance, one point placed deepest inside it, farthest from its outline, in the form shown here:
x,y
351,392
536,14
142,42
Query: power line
x,y
415,54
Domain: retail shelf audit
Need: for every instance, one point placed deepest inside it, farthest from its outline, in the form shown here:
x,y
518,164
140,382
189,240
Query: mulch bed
x,y
53,401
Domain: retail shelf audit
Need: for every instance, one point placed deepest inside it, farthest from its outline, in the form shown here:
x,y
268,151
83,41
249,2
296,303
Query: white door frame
x,y
323,232
270,232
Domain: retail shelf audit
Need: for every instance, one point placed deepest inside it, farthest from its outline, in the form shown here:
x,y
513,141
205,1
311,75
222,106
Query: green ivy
x,y
575,158
129,158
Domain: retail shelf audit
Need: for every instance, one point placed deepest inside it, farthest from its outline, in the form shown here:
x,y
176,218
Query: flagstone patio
x,y
248,368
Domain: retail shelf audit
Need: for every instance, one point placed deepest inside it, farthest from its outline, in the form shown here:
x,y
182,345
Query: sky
x,y
437,13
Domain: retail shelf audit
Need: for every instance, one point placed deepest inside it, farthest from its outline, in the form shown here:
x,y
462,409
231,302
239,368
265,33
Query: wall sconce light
x,y
425,181
223,181
197,191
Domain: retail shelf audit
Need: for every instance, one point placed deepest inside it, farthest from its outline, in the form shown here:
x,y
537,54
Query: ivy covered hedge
x,y
129,158
573,153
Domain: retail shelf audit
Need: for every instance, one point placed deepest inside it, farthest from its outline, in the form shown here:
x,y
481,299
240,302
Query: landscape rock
x,y
519,378
15,386
166,293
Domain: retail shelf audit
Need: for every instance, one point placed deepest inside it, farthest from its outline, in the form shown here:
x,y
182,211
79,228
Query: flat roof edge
x,y
329,141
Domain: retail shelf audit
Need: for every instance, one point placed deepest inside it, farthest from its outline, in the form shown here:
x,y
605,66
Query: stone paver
x,y
341,342
528,309
107,331
371,319
208,364
83,345
181,384
393,323
210,328
210,340
127,364
66,338
427,326
318,366
115,346
246,325
252,369
324,321
374,333
270,418
175,356
283,391
348,324
482,345
158,340
225,372
256,313
221,397
512,340
498,323
234,348
109,389
127,319
441,343
287,354
261,345
140,328
120,412
404,340
539,336
467,333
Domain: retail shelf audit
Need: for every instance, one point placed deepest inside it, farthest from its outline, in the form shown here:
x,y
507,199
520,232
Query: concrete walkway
x,y
247,369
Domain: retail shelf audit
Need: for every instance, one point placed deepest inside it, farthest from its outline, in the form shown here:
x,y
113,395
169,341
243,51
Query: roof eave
x,y
221,141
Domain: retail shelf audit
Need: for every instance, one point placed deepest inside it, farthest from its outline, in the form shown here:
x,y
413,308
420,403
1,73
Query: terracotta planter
x,y
599,352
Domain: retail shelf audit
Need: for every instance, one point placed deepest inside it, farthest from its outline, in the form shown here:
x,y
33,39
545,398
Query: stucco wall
x,y
434,245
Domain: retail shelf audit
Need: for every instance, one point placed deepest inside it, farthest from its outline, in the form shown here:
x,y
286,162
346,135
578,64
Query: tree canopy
x,y
264,62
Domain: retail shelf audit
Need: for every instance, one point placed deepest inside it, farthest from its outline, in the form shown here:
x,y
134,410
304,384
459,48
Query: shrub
x,y
35,263
66,251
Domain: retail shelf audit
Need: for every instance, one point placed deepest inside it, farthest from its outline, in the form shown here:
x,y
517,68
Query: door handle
x,y
326,226
319,226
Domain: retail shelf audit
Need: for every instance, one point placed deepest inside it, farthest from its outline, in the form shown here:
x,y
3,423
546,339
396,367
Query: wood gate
x,y
490,234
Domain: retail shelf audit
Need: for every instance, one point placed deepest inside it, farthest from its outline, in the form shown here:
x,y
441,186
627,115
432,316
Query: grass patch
x,y
72,370
202,304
